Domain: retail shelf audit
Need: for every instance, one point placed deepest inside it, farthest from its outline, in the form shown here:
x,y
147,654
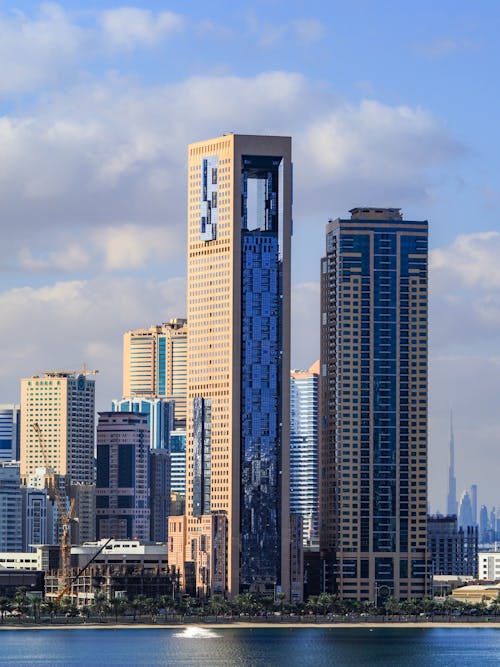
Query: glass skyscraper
x,y
304,404
9,432
239,232
373,453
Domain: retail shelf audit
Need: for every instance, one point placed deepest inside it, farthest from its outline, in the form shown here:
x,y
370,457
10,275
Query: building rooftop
x,y
372,213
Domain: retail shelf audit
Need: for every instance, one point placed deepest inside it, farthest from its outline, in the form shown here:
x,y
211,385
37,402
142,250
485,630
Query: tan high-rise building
x,y
155,364
239,233
62,403
373,413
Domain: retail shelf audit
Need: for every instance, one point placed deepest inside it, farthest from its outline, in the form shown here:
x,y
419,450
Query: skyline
x,y
99,105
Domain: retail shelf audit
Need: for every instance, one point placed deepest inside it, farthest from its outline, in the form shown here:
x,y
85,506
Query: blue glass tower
x,y
373,454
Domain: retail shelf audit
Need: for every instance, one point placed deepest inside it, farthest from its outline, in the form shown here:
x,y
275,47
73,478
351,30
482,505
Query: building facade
x,y
159,481
62,403
304,443
160,413
9,432
34,514
122,489
11,523
453,550
237,464
154,364
373,452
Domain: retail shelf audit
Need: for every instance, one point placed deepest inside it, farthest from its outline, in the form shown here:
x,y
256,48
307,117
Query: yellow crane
x,y
66,517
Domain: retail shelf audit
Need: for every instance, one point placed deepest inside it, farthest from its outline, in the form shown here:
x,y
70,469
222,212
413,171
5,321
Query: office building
x,y
304,443
453,550
178,463
160,414
62,403
11,523
465,517
154,364
159,480
373,413
34,517
489,565
238,290
122,493
9,432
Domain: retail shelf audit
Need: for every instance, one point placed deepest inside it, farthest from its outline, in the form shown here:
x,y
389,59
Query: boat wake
x,y
195,632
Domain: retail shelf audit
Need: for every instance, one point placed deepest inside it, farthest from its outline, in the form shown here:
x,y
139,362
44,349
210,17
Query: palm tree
x,y
51,607
5,606
100,605
218,605
118,606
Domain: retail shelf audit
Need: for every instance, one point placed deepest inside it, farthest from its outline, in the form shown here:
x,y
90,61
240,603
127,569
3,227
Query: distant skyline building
x,y
11,523
453,549
373,415
123,491
238,290
465,517
473,502
154,364
160,414
62,403
304,443
9,432
451,503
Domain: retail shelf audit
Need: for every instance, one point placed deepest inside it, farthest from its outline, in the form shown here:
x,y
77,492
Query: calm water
x,y
430,647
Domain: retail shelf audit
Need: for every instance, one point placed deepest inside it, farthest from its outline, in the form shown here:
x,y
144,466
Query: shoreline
x,y
245,625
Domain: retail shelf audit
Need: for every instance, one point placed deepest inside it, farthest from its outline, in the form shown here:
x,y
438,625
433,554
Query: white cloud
x,y
37,51
63,324
128,27
305,324
470,261
73,258
133,246
308,30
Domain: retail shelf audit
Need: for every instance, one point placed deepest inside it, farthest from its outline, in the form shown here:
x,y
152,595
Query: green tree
x,y
100,606
218,606
5,606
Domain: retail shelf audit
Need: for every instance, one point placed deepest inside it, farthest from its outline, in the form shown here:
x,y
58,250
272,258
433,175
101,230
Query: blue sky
x,y
388,104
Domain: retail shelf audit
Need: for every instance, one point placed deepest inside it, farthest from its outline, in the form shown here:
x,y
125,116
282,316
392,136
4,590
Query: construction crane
x,y
67,588
66,517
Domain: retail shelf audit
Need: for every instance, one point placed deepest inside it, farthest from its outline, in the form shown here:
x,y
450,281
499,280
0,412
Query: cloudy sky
x,y
388,105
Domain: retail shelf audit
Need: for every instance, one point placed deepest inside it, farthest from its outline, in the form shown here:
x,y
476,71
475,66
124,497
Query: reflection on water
x,y
195,632
253,647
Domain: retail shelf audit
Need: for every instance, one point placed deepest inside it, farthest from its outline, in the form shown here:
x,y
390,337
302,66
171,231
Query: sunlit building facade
x,y
373,452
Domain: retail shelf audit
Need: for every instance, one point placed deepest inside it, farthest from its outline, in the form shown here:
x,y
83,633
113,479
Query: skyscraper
x,y
11,524
154,364
160,413
9,432
465,517
62,404
452,482
304,397
239,233
373,435
123,492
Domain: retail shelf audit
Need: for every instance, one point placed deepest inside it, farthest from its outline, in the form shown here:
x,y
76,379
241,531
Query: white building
x,y
489,565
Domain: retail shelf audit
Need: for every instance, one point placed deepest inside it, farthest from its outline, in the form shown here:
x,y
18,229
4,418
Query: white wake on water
x,y
195,632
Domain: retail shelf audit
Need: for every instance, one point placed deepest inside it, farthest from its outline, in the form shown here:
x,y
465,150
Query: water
x,y
256,647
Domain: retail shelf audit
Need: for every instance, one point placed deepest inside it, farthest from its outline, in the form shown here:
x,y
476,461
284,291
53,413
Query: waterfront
x,y
256,647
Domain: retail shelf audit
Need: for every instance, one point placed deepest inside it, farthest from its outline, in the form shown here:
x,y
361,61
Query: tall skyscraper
x,y
373,414
123,492
154,364
9,432
465,517
304,403
473,500
452,504
239,234
62,403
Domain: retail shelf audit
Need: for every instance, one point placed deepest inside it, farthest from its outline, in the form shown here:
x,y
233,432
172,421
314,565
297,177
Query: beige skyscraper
x,y
155,364
239,232
62,403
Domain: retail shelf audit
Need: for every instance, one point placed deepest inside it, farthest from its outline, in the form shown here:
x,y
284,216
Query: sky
x,y
389,104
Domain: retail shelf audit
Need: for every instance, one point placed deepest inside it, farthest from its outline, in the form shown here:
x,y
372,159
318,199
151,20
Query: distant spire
x,y
452,482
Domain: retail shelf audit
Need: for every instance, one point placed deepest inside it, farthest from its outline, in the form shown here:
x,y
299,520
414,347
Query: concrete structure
x,y
11,524
239,233
63,404
154,364
19,560
304,444
373,434
149,556
9,432
453,550
476,593
85,510
296,559
160,414
122,493
489,565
